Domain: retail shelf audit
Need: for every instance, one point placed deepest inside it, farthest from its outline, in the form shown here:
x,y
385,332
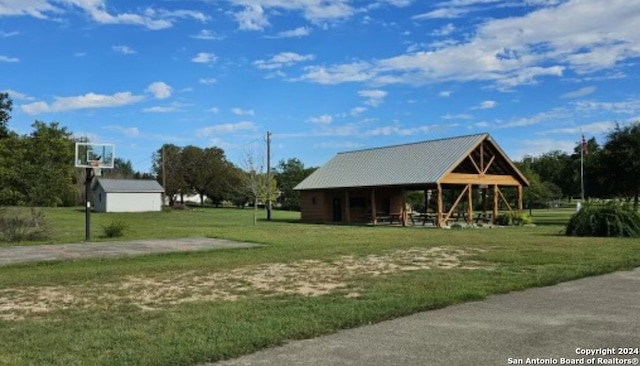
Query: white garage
x,y
127,195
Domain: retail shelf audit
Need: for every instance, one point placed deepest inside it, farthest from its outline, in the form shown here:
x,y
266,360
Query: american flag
x,y
584,145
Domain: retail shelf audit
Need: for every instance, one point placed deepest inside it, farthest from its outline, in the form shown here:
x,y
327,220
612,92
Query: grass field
x,y
188,308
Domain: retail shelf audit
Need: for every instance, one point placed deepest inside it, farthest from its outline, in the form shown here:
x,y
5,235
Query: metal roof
x,y
130,186
416,163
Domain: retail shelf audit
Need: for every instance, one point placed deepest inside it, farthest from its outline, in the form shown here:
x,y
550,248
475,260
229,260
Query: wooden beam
x,y
474,164
489,164
470,205
495,202
455,204
482,158
374,214
505,201
347,206
478,179
440,206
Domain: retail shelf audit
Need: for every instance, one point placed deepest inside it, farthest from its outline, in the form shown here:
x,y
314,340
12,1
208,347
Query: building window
x,y
357,202
313,200
100,197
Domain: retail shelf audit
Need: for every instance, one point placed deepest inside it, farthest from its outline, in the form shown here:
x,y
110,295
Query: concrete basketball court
x,y
112,249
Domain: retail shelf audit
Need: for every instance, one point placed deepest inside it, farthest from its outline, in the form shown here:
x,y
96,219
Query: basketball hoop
x,y
95,165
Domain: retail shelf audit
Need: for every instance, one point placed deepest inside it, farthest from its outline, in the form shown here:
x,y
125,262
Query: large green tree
x,y
47,175
170,172
6,106
622,161
289,174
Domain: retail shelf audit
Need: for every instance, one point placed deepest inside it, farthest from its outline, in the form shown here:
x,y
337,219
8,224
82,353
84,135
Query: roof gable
x,y
129,186
410,164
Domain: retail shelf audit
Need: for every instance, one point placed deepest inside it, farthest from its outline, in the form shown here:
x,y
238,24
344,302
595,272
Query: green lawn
x,y
187,308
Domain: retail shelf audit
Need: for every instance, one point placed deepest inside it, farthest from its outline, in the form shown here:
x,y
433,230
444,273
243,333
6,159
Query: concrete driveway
x,y
578,322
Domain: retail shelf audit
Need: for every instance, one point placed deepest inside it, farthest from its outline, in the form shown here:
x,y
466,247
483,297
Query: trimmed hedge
x,y
609,220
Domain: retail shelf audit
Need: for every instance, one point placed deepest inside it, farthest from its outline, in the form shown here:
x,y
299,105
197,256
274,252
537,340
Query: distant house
x,y
366,185
127,195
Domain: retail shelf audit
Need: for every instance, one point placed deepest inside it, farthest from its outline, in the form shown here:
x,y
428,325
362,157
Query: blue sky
x,y
323,76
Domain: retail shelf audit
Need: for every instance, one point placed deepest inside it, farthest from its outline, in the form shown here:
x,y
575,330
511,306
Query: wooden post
x,y
520,196
403,212
440,206
374,214
495,202
347,206
470,205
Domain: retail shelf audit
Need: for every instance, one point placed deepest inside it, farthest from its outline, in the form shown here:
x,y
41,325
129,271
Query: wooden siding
x,y
312,206
477,179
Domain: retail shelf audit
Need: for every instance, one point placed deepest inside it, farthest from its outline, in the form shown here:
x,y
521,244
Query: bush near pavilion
x,y
613,219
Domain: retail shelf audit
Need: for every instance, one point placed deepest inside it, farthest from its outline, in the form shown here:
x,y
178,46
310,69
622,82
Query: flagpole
x,y
582,143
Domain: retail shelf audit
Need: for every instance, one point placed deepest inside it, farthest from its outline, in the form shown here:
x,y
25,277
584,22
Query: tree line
x,y
611,170
37,169
207,173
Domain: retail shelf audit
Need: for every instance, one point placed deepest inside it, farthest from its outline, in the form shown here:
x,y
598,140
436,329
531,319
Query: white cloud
x,y
282,59
324,119
213,110
357,110
8,34
255,13
162,109
96,9
160,90
207,35
242,112
445,30
8,59
457,116
578,36
226,128
89,100
17,95
252,18
298,32
127,131
207,81
445,93
579,93
125,50
205,58
538,147
591,128
630,106
374,97
446,13
487,104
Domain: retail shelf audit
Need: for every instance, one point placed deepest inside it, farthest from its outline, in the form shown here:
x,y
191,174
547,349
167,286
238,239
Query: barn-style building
x,y
371,185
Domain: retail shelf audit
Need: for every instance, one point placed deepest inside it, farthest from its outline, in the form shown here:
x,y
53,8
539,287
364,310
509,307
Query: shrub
x,y
16,227
115,229
515,218
611,219
521,218
503,220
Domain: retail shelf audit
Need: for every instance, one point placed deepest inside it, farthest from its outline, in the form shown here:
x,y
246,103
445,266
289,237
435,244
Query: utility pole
x,y
164,180
268,175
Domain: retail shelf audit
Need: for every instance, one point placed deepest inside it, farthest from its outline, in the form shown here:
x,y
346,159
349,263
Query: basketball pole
x,y
87,206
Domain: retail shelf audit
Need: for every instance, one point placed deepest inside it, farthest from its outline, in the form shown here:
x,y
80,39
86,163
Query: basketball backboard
x,y
90,155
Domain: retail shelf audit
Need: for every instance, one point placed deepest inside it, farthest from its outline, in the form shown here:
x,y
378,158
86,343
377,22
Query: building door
x,y
337,210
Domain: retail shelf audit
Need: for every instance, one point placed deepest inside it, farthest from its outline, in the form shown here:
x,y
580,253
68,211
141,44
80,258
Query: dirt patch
x,y
306,277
